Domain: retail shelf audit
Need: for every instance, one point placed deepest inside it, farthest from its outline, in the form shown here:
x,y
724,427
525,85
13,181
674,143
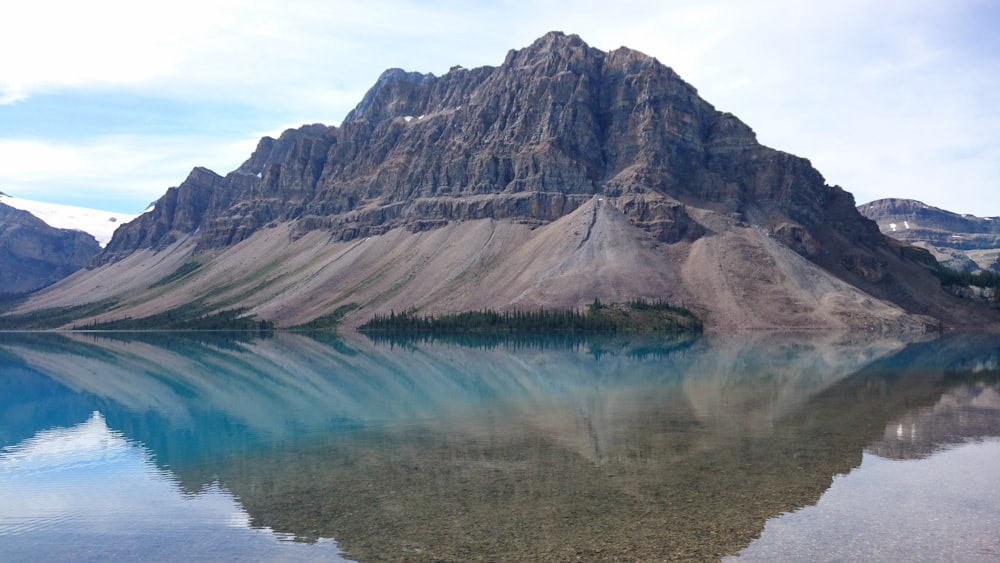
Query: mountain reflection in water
x,y
439,451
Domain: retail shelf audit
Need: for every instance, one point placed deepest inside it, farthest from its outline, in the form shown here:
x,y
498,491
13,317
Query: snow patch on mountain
x,y
100,224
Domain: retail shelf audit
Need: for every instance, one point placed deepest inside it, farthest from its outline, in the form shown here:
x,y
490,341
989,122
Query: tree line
x,y
654,316
980,278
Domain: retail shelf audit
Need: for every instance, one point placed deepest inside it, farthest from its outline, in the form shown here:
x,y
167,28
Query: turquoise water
x,y
768,447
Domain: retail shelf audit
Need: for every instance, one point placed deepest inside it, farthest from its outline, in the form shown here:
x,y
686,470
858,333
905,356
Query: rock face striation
x,y
564,174
531,140
961,242
34,255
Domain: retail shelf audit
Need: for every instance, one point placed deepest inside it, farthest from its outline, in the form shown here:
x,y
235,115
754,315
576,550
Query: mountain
x,y
961,242
34,254
562,175
98,223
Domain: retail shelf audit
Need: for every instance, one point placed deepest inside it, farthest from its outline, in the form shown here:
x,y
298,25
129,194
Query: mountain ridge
x,y
562,175
538,166
34,254
98,223
961,242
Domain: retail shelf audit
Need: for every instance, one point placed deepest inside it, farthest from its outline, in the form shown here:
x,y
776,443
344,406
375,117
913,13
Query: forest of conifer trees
x,y
636,315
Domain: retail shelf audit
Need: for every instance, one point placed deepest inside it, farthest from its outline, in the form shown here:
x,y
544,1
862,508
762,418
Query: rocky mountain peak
x,y
557,130
531,140
383,99
272,152
552,53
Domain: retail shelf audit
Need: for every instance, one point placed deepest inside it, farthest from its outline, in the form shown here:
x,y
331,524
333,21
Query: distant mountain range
x,y
41,243
564,175
34,254
960,242
98,223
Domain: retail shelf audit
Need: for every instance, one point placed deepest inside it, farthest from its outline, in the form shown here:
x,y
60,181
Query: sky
x,y
108,103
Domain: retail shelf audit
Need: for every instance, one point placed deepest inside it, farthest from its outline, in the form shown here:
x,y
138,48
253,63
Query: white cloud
x,y
128,171
34,160
62,44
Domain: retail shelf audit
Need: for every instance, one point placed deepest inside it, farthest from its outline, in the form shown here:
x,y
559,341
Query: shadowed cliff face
x,y
34,255
559,135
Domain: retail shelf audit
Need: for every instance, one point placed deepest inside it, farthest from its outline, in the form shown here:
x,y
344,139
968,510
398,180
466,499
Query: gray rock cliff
x,y
560,134
34,255
961,242
531,140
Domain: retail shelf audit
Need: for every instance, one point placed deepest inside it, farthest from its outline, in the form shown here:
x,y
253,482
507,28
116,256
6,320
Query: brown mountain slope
x,y
562,175
735,279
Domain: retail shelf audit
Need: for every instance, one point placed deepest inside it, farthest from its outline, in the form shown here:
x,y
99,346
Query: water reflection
x,y
943,503
438,451
963,413
87,493
945,507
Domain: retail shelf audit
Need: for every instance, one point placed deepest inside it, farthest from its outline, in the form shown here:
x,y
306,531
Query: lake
x,y
758,446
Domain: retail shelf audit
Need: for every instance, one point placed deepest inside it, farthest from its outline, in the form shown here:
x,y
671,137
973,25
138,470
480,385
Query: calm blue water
x,y
765,447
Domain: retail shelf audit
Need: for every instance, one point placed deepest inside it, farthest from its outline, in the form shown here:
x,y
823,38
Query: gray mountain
x,y
34,255
961,242
562,175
